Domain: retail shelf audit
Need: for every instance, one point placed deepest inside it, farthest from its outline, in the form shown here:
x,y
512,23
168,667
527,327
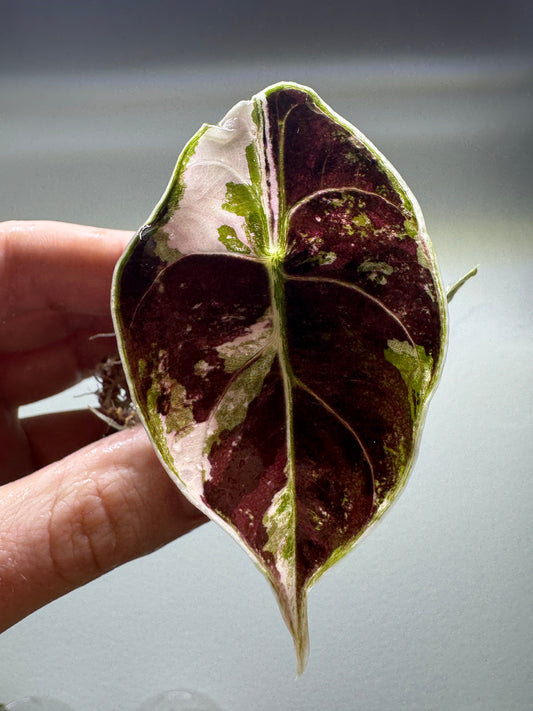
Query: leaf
x,y
282,325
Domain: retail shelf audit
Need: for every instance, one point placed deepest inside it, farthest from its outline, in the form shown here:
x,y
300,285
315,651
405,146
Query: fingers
x,y
74,520
15,455
34,442
36,329
55,282
99,506
52,437
32,375
57,266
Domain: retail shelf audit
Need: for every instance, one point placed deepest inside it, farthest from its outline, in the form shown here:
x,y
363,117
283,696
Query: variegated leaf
x,y
282,325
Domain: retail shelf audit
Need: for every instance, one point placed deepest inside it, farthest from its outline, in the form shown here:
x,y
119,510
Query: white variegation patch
x,y
219,158
269,179
191,461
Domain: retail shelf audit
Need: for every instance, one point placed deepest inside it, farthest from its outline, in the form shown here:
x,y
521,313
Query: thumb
x,y
80,517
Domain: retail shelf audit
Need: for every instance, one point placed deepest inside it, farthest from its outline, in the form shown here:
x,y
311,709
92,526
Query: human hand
x,y
73,505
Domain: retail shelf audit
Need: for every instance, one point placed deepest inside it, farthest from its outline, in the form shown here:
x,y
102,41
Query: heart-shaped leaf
x,y
282,325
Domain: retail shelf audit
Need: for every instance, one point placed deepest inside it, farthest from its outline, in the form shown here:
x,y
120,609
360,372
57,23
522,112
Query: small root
x,y
115,405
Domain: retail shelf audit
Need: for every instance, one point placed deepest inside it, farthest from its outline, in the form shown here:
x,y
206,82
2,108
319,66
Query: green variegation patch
x,y
241,350
232,408
228,237
415,367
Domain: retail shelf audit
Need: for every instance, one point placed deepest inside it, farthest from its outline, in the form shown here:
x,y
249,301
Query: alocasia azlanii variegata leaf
x,y
282,325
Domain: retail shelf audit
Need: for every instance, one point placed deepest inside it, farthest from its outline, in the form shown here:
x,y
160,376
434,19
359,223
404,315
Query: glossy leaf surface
x,y
282,325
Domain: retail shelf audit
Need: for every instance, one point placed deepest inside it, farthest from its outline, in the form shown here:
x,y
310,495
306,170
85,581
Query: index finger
x,y
57,266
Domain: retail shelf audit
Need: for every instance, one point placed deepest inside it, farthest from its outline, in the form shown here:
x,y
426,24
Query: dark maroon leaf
x,y
282,326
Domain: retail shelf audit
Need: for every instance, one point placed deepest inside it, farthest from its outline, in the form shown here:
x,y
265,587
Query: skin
x,y
73,505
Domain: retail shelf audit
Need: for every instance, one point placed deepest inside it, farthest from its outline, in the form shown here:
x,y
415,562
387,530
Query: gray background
x,y
433,610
